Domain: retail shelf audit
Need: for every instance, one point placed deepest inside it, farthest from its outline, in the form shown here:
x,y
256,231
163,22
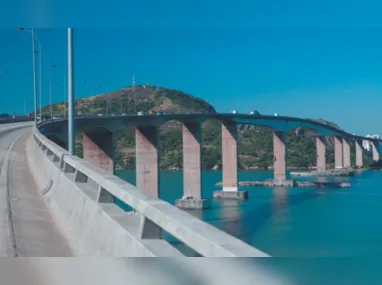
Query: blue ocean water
x,y
293,222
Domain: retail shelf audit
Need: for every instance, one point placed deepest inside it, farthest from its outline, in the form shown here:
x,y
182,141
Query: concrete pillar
x,y
358,154
338,152
229,156
99,148
192,178
321,154
279,153
230,163
147,159
192,164
346,155
375,149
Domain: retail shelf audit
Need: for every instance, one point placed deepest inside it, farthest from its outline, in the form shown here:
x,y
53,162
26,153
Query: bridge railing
x,y
155,215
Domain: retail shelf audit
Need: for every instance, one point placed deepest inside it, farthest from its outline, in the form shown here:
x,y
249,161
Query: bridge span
x,y
99,148
53,204
82,194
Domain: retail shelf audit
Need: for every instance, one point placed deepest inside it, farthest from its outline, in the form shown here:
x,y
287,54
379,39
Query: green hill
x,y
255,145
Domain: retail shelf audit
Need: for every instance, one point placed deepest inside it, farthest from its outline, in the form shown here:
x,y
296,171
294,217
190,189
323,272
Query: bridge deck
x,y
34,227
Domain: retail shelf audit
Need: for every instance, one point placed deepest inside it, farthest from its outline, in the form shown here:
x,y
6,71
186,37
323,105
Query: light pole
x,y
50,92
71,121
25,112
40,87
34,71
58,67
2,73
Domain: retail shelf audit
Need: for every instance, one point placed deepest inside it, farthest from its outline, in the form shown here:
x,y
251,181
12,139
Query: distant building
x,y
366,144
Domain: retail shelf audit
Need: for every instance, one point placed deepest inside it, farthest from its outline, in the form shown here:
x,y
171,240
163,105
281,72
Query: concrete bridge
x,y
99,147
56,204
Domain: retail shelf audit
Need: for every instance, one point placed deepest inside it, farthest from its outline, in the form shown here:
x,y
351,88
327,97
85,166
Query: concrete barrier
x,y
83,197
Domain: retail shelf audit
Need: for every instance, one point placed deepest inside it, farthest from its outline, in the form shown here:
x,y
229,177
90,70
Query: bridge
x,y
99,148
74,210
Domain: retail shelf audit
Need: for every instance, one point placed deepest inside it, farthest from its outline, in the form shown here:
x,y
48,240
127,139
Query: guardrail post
x,y
321,153
147,159
149,230
104,196
99,148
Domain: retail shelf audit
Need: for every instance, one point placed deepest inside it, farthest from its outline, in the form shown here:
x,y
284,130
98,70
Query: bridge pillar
x,y
279,154
346,150
99,148
358,154
147,159
229,164
375,149
192,164
321,154
338,152
229,156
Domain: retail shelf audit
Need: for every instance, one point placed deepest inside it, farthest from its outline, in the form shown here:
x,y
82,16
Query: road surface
x,y
28,225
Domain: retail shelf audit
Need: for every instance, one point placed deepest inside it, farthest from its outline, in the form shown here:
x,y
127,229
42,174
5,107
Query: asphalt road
x,y
6,138
28,227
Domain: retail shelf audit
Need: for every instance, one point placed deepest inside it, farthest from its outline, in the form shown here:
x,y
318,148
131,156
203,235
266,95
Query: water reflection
x,y
230,209
280,199
341,179
246,224
322,179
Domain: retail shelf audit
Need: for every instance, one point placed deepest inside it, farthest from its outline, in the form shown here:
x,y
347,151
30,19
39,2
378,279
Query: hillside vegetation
x,y
255,146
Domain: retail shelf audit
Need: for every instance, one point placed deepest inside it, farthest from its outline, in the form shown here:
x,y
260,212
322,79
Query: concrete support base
x,y
231,195
192,204
278,182
230,189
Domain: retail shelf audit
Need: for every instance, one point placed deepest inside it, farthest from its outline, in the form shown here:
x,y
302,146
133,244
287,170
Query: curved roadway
x,y
27,225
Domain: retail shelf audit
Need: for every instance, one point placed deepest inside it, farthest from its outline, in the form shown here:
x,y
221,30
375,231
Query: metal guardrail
x,y
157,215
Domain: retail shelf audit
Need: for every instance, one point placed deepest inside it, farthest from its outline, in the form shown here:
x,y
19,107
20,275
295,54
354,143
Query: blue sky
x,y
308,60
